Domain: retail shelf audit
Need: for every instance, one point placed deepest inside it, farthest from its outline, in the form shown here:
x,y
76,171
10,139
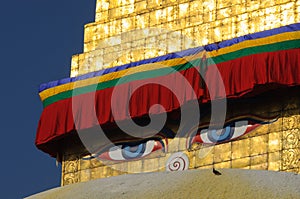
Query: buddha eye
x,y
131,151
229,132
225,134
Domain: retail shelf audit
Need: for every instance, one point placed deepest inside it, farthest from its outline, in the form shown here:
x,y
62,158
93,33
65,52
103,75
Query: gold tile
x,y
224,13
224,4
290,139
195,8
115,172
88,34
188,32
227,22
222,152
162,163
241,163
287,17
209,16
288,6
290,158
253,5
297,17
139,43
128,24
87,46
119,168
134,166
98,17
74,72
126,45
153,3
209,4
154,19
189,43
243,28
171,13
271,10
70,178
103,16
108,171
217,35
150,165
114,3
140,6
74,61
84,164
267,4
102,5
127,10
259,145
204,156
175,38
290,122
85,175
71,166
259,162
274,161
240,148
137,56
97,173
275,142
114,13
183,10
202,34
195,20
238,9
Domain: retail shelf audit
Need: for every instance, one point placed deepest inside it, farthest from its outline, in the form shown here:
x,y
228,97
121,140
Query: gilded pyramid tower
x,y
255,50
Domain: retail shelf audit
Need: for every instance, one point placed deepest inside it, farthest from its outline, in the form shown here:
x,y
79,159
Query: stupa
x,y
166,85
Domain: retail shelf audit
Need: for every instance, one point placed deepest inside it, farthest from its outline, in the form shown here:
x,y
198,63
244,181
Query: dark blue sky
x,y
37,38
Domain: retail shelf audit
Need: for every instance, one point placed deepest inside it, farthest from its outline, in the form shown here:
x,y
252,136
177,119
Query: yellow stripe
x,y
114,75
168,63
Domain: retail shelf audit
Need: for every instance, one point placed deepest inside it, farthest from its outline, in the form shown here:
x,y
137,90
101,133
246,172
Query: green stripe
x,y
285,45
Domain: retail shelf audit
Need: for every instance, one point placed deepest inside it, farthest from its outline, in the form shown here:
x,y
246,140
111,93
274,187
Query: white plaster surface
x,y
200,184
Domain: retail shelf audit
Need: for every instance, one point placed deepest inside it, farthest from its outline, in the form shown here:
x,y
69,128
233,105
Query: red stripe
x,y
241,76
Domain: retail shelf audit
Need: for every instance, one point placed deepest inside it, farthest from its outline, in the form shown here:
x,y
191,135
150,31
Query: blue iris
x,y
220,135
130,152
